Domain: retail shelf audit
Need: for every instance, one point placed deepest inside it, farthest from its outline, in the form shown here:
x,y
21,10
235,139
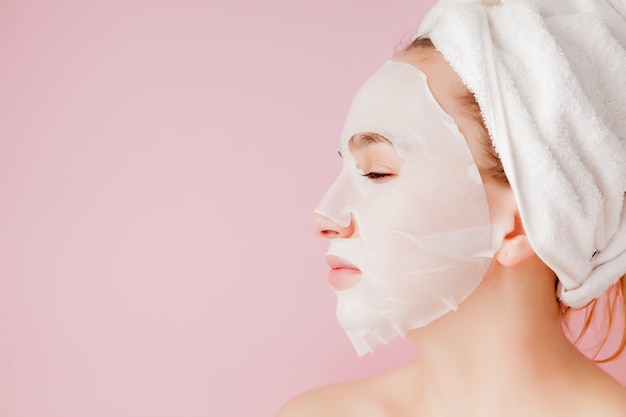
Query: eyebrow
x,y
361,140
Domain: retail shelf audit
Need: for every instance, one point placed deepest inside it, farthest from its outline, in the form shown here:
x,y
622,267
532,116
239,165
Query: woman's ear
x,y
515,246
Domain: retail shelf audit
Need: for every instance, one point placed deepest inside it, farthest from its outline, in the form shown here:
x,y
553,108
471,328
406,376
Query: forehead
x,y
395,102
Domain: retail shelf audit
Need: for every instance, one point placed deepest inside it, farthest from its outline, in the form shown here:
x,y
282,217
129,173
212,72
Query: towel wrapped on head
x,y
550,78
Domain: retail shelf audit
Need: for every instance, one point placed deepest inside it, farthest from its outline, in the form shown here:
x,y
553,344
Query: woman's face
x,y
407,217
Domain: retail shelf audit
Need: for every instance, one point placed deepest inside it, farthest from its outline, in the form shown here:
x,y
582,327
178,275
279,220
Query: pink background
x,y
159,161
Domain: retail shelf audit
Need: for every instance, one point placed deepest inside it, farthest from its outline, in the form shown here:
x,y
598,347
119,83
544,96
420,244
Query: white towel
x,y
550,78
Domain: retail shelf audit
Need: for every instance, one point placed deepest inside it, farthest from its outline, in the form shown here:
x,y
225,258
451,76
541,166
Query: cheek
x,y
413,201
398,206
430,196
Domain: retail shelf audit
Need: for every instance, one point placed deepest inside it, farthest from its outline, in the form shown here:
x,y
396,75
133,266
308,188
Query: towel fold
x,y
550,78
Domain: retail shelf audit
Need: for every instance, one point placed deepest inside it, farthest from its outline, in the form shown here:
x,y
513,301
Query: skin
x,y
503,352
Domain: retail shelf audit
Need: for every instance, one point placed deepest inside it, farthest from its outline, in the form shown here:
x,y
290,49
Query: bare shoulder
x,y
612,401
382,395
336,400
601,396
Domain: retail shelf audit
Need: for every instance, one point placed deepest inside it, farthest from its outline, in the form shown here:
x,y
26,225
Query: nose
x,y
326,228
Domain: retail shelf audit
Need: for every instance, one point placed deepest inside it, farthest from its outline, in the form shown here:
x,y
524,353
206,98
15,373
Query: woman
x,y
436,236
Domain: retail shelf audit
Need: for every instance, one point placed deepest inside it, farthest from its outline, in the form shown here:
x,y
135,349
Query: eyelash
x,y
377,175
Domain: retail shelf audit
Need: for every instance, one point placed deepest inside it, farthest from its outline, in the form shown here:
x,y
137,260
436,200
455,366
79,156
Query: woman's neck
x,y
492,354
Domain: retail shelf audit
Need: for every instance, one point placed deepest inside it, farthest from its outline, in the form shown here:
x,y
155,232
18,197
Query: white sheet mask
x,y
424,239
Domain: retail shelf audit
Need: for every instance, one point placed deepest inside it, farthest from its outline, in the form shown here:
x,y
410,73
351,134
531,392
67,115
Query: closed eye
x,y
376,157
378,175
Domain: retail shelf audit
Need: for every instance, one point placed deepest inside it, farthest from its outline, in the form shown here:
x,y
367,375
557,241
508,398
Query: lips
x,y
343,274
336,262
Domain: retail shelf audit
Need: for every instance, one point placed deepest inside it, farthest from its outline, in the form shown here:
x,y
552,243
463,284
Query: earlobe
x,y
515,246
514,250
